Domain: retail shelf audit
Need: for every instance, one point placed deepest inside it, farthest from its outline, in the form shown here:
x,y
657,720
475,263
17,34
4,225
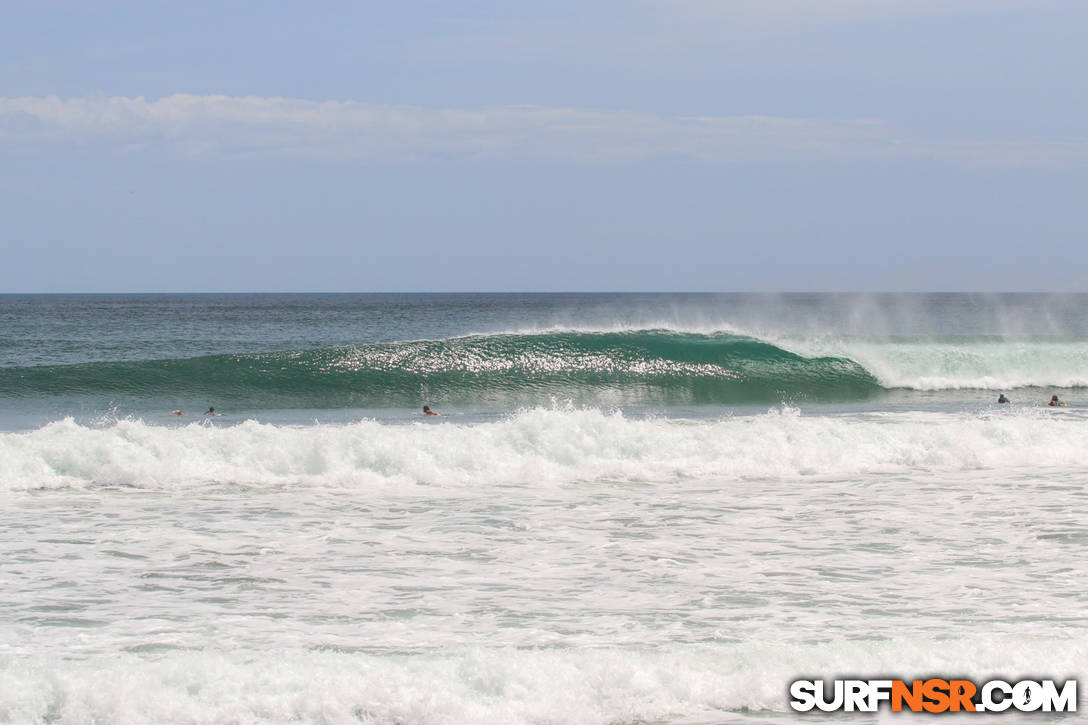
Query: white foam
x,y
706,683
986,364
538,448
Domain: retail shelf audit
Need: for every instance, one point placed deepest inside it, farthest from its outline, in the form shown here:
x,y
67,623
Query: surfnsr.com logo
x,y
934,695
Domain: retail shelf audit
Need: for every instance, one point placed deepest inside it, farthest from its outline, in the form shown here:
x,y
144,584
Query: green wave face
x,y
510,370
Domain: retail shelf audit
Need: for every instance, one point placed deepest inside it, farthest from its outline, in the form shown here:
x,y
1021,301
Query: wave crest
x,y
506,371
633,367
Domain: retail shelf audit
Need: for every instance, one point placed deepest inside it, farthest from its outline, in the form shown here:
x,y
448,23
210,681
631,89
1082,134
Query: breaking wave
x,y
643,367
538,447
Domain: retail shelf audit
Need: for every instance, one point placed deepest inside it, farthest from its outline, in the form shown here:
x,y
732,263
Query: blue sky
x,y
468,146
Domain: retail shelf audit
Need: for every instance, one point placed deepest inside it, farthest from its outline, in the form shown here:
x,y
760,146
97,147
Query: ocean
x,y
633,508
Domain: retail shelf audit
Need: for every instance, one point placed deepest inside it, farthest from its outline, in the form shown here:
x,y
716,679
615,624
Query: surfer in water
x,y
211,411
176,412
427,411
1055,402
1002,399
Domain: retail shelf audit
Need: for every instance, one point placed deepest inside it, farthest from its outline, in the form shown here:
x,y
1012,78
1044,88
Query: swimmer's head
x,y
1053,398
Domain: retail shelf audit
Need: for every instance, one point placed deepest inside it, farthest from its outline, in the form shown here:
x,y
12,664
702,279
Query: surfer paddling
x,y
427,411
1056,403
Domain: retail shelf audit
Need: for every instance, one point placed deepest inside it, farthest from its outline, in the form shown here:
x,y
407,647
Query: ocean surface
x,y
633,508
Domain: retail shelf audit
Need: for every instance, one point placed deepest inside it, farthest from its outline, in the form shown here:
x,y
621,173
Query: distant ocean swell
x,y
537,448
652,367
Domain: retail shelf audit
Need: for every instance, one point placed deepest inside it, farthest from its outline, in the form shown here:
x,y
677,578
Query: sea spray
x,y
980,362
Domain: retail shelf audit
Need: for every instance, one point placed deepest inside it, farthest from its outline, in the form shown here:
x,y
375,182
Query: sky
x,y
487,145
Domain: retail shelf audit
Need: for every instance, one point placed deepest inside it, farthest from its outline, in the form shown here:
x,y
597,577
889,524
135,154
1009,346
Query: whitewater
x,y
539,449
633,508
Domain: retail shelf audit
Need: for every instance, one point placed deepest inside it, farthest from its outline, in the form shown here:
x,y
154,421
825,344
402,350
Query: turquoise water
x,y
633,508
251,355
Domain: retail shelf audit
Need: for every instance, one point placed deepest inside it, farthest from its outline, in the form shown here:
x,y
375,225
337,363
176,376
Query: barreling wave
x,y
652,367
537,448
632,367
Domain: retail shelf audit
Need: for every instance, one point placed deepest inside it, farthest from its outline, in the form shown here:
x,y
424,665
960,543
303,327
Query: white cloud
x,y
845,10
351,131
